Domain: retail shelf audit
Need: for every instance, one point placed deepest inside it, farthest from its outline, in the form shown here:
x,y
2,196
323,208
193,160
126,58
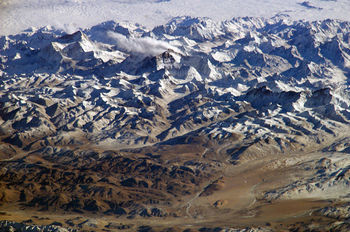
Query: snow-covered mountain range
x,y
274,83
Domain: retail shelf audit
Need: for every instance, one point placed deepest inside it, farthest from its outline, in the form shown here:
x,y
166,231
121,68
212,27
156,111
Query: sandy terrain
x,y
232,198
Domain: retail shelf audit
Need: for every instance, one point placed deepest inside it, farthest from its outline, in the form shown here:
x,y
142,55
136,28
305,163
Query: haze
x,y
18,15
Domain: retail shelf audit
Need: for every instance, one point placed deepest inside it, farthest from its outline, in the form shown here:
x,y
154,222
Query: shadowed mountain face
x,y
123,121
104,85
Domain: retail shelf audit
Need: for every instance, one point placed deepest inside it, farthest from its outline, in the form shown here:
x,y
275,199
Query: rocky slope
x,y
13,226
121,86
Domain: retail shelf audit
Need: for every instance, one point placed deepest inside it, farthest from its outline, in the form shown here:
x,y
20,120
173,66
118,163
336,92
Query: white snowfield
x,y
70,15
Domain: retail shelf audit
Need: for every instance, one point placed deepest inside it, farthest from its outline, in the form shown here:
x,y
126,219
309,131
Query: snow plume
x,y
69,28
145,46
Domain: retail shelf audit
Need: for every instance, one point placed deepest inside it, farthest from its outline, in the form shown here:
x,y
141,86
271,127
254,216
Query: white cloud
x,y
69,28
17,15
145,46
